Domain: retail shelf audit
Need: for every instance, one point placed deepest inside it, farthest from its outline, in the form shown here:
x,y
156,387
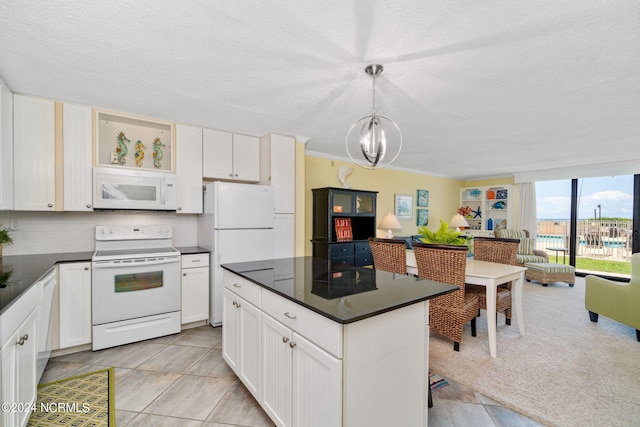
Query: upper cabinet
x,y
278,155
488,208
189,169
77,147
6,147
34,153
230,156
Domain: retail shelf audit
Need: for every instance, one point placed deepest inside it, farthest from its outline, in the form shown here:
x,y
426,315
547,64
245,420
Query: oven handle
x,y
120,264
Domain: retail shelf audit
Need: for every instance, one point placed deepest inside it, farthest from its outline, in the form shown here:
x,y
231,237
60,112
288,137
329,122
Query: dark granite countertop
x,y
190,250
338,291
19,272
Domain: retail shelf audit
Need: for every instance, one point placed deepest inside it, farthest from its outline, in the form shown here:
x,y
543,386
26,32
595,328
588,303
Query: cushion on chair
x,y
527,245
523,259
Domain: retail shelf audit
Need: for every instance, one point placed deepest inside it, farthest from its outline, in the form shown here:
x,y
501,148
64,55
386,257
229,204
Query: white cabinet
x,y
195,287
34,153
285,230
189,169
77,124
6,147
489,208
18,356
241,339
278,168
230,156
302,382
74,281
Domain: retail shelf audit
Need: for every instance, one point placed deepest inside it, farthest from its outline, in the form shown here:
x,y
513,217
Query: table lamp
x,y
390,222
458,221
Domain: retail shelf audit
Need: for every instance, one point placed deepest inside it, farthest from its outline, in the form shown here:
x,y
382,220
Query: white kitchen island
x,y
322,343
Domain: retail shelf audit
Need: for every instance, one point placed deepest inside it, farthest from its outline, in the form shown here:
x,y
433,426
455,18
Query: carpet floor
x,y
566,370
83,400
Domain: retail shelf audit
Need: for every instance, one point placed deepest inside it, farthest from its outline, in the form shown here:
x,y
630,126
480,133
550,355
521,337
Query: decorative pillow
x,y
526,246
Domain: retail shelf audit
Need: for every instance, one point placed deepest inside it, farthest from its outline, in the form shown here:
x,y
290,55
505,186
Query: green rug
x,y
86,400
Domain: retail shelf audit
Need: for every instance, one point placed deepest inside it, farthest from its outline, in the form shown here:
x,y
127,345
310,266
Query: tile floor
x,y
182,380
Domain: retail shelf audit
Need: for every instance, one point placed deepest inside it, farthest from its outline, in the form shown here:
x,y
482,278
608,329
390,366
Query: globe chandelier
x,y
374,141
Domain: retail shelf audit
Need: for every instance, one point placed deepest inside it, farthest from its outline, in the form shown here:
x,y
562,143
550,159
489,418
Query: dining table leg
x,y
491,319
517,301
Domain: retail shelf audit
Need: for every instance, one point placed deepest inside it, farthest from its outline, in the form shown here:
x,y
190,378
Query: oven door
x,y
133,288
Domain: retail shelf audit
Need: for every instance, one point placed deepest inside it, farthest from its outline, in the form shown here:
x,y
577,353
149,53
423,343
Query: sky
x,y
613,194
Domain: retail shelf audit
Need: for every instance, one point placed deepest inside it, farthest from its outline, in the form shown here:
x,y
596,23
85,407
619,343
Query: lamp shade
x,y
458,221
390,222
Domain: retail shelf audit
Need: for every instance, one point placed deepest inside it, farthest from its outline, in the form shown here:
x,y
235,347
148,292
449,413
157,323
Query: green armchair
x,y
616,300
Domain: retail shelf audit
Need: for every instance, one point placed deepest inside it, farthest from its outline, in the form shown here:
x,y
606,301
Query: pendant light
x,y
374,141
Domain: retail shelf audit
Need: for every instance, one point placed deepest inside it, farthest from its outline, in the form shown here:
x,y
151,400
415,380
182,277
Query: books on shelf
x,y
344,232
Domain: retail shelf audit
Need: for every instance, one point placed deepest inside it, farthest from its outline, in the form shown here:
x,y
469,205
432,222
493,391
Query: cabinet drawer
x,y
242,287
195,260
324,332
363,254
341,250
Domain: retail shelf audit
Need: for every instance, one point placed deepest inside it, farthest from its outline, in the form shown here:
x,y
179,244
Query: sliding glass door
x,y
589,223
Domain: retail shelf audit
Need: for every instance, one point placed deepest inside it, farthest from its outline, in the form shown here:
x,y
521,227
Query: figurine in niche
x,y
122,149
343,173
157,152
140,147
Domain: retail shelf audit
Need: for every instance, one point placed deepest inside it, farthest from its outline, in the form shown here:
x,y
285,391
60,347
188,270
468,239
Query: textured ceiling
x,y
479,88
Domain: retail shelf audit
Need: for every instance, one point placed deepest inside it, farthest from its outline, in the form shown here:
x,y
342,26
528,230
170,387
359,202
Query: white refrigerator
x,y
236,226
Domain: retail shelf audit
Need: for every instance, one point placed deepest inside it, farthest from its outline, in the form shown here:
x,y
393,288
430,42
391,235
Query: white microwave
x,y
115,188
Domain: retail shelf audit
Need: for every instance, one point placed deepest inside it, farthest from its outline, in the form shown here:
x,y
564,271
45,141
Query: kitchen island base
x,y
305,369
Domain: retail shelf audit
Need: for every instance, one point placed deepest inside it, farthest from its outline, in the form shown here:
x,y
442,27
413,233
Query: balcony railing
x,y
594,239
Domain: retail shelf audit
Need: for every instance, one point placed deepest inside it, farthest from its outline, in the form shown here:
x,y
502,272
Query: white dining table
x,y
489,275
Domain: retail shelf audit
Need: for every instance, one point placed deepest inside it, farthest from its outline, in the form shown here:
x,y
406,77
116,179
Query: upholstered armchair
x,y
526,249
619,301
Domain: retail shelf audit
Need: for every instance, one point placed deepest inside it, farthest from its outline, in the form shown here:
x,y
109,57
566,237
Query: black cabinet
x,y
359,207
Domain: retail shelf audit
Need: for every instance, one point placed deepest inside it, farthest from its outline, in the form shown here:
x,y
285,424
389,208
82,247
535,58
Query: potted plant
x,y
444,236
4,238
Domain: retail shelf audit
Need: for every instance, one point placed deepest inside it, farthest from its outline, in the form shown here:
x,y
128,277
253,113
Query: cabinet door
x,y
77,140
6,147
195,294
283,173
277,364
18,360
317,385
217,154
189,169
246,158
34,153
250,347
231,330
285,230
75,303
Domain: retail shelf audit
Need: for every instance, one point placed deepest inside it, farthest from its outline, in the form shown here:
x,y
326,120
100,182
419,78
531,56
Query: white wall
x,y
55,232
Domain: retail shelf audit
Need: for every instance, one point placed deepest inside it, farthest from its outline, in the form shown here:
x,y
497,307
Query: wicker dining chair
x,y
498,250
389,255
450,312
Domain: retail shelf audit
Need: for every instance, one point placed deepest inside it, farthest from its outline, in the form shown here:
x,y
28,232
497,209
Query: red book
x,y
343,229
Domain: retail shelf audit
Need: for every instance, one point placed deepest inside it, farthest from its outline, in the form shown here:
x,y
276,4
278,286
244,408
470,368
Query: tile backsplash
x,y
54,232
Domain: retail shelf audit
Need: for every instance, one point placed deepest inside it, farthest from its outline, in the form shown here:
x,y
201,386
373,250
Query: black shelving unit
x,y
360,206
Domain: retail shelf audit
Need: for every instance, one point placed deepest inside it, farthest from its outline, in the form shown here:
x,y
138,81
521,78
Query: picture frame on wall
x,y
404,207
423,199
422,217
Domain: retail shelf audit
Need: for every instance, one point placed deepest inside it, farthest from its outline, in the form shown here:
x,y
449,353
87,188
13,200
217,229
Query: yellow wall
x,y
444,193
